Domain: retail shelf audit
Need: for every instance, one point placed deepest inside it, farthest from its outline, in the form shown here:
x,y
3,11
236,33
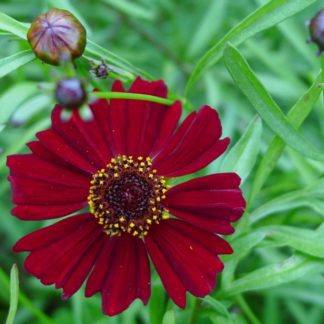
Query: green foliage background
x,y
268,95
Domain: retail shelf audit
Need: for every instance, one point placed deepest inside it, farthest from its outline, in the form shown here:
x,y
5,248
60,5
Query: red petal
x,y
41,151
144,117
76,133
118,120
101,113
211,202
138,127
63,250
101,268
47,235
170,278
121,274
32,191
79,271
193,146
30,165
56,144
192,259
128,277
39,212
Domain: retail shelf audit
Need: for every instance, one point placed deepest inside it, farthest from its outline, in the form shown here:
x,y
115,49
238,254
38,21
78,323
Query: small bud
x,y
70,93
57,36
316,28
100,70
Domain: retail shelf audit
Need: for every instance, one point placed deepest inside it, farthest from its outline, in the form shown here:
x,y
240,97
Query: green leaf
x,y
13,62
241,247
157,304
213,16
296,116
9,24
270,14
31,107
169,317
131,9
217,306
304,240
10,101
276,274
265,105
14,294
242,157
304,197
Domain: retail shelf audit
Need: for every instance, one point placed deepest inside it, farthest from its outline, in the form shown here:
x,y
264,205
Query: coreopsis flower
x,y
57,36
118,165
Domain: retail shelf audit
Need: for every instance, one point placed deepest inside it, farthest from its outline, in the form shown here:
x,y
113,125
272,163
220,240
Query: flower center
x,y
126,196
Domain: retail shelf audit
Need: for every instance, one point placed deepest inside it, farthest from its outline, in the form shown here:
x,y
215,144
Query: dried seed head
x,y
316,28
57,36
70,93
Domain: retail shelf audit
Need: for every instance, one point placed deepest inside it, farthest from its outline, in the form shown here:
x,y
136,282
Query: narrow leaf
x,y
263,103
9,24
13,62
242,157
14,294
132,9
270,14
304,197
241,246
304,240
217,306
10,100
296,116
276,274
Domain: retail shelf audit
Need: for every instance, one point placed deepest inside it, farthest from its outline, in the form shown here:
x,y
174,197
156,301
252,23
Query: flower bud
x,y
70,93
316,28
100,70
57,36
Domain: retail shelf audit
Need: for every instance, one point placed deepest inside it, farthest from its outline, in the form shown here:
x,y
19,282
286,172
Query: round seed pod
x,y
57,37
70,93
316,29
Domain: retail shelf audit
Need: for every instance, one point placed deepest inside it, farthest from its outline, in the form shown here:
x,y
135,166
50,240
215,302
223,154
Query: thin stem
x,y
14,293
247,310
5,282
134,96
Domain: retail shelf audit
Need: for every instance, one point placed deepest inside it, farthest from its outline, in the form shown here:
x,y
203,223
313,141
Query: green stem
x,y
134,96
247,310
14,293
23,299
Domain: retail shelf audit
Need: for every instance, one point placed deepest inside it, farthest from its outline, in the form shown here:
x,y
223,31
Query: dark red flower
x,y
119,164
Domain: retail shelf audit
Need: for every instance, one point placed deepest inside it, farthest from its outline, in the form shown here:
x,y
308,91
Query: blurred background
x,y
166,38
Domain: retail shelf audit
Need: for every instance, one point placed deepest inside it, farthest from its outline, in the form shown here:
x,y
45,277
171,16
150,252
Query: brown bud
x,y
70,93
316,28
57,36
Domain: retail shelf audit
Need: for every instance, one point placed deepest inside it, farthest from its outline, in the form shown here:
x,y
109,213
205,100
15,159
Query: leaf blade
x,y
13,62
261,19
242,157
263,103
